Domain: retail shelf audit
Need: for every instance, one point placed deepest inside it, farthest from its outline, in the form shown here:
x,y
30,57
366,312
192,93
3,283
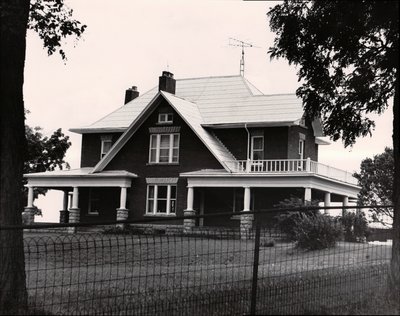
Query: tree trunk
x,y
14,18
395,262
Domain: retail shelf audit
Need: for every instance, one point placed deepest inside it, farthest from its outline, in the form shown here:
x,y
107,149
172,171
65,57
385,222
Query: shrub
x,y
355,226
317,231
267,242
287,221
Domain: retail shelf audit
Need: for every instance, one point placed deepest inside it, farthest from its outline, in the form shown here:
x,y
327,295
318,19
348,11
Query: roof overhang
x,y
219,178
249,124
88,130
80,178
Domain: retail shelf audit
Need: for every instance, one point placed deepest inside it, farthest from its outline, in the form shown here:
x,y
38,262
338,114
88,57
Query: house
x,y
196,146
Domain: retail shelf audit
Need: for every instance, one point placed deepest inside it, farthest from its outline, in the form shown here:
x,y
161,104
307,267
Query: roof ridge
x,y
208,77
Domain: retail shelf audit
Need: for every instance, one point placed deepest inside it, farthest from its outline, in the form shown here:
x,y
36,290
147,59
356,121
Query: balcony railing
x,y
278,166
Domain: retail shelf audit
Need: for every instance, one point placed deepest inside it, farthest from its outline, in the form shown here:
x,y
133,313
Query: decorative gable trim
x,y
161,180
164,129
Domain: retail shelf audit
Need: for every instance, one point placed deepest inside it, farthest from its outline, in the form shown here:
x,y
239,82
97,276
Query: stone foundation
x,y
189,223
74,217
28,215
122,215
246,225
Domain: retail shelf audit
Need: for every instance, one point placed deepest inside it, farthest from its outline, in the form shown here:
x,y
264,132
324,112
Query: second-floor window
x,y
164,148
257,147
106,143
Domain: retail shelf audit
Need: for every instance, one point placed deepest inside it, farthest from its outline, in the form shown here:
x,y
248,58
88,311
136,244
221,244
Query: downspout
x,y
248,141
248,148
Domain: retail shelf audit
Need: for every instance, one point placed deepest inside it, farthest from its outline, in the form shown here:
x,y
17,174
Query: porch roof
x,y
81,177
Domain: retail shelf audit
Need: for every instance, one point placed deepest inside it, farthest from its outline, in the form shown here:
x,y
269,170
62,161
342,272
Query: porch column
x,y
327,201
122,212
345,203
246,220
28,215
189,223
74,211
64,212
307,196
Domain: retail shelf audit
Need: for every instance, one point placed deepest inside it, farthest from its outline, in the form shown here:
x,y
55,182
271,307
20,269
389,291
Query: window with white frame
x,y
164,148
161,199
257,147
301,146
106,144
165,118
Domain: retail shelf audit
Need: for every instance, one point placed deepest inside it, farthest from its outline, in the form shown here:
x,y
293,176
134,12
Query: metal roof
x,y
219,100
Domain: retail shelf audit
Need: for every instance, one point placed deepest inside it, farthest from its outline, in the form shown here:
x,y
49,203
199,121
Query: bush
x,y
355,226
317,231
287,221
267,242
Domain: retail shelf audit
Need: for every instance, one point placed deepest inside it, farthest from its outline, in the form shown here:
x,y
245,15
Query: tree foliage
x,y
376,182
52,21
347,53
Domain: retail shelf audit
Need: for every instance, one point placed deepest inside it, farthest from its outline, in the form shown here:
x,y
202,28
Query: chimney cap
x,y
134,88
167,74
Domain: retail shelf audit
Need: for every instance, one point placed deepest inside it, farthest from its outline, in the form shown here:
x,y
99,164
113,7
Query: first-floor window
x,y
161,199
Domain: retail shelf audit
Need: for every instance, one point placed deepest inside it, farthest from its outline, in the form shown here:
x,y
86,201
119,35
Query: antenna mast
x,y
242,44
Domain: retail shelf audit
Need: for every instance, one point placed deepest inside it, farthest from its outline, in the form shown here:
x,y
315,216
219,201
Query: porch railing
x,y
290,166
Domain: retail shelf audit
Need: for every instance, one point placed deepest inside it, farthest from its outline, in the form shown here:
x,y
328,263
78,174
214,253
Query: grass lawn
x,y
84,273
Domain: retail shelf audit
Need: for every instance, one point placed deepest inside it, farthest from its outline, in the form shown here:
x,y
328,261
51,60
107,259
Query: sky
x,y
130,42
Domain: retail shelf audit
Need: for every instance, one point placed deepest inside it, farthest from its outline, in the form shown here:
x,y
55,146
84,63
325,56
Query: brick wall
x,y
91,146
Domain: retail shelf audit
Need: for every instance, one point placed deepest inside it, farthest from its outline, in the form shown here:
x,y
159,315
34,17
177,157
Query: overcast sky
x,y
131,42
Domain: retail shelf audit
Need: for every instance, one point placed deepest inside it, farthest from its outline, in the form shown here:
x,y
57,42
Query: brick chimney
x,y
167,82
131,94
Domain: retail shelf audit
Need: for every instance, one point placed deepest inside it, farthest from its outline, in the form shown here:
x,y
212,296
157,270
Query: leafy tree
x,y
44,154
376,182
53,22
347,53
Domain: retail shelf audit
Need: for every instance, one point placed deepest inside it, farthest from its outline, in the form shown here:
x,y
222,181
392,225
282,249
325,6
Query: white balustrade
x,y
290,166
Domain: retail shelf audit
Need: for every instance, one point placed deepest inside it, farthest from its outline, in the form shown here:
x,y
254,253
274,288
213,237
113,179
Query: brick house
x,y
196,146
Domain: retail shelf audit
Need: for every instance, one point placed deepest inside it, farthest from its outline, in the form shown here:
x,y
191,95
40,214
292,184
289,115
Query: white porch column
x,y
28,215
122,212
345,203
327,201
307,195
247,194
190,197
64,211
246,220
74,211
190,223
30,197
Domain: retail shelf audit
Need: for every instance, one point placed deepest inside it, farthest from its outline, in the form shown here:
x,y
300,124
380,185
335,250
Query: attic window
x,y
106,143
165,118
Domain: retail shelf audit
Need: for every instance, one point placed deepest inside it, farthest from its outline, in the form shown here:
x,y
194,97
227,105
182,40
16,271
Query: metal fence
x,y
210,271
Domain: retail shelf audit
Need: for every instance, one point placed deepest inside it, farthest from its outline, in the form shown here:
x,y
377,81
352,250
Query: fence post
x,y
255,266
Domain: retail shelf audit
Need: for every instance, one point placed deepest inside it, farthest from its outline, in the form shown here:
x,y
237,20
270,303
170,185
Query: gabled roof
x,y
189,113
226,100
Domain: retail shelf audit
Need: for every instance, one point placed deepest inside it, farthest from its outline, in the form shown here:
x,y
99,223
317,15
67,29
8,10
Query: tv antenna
x,y
239,43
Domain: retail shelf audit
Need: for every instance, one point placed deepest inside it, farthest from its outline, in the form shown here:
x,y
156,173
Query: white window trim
x,y
252,146
155,200
103,141
163,118
157,148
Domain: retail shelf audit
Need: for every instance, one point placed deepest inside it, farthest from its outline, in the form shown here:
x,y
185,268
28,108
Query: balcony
x,y
290,166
